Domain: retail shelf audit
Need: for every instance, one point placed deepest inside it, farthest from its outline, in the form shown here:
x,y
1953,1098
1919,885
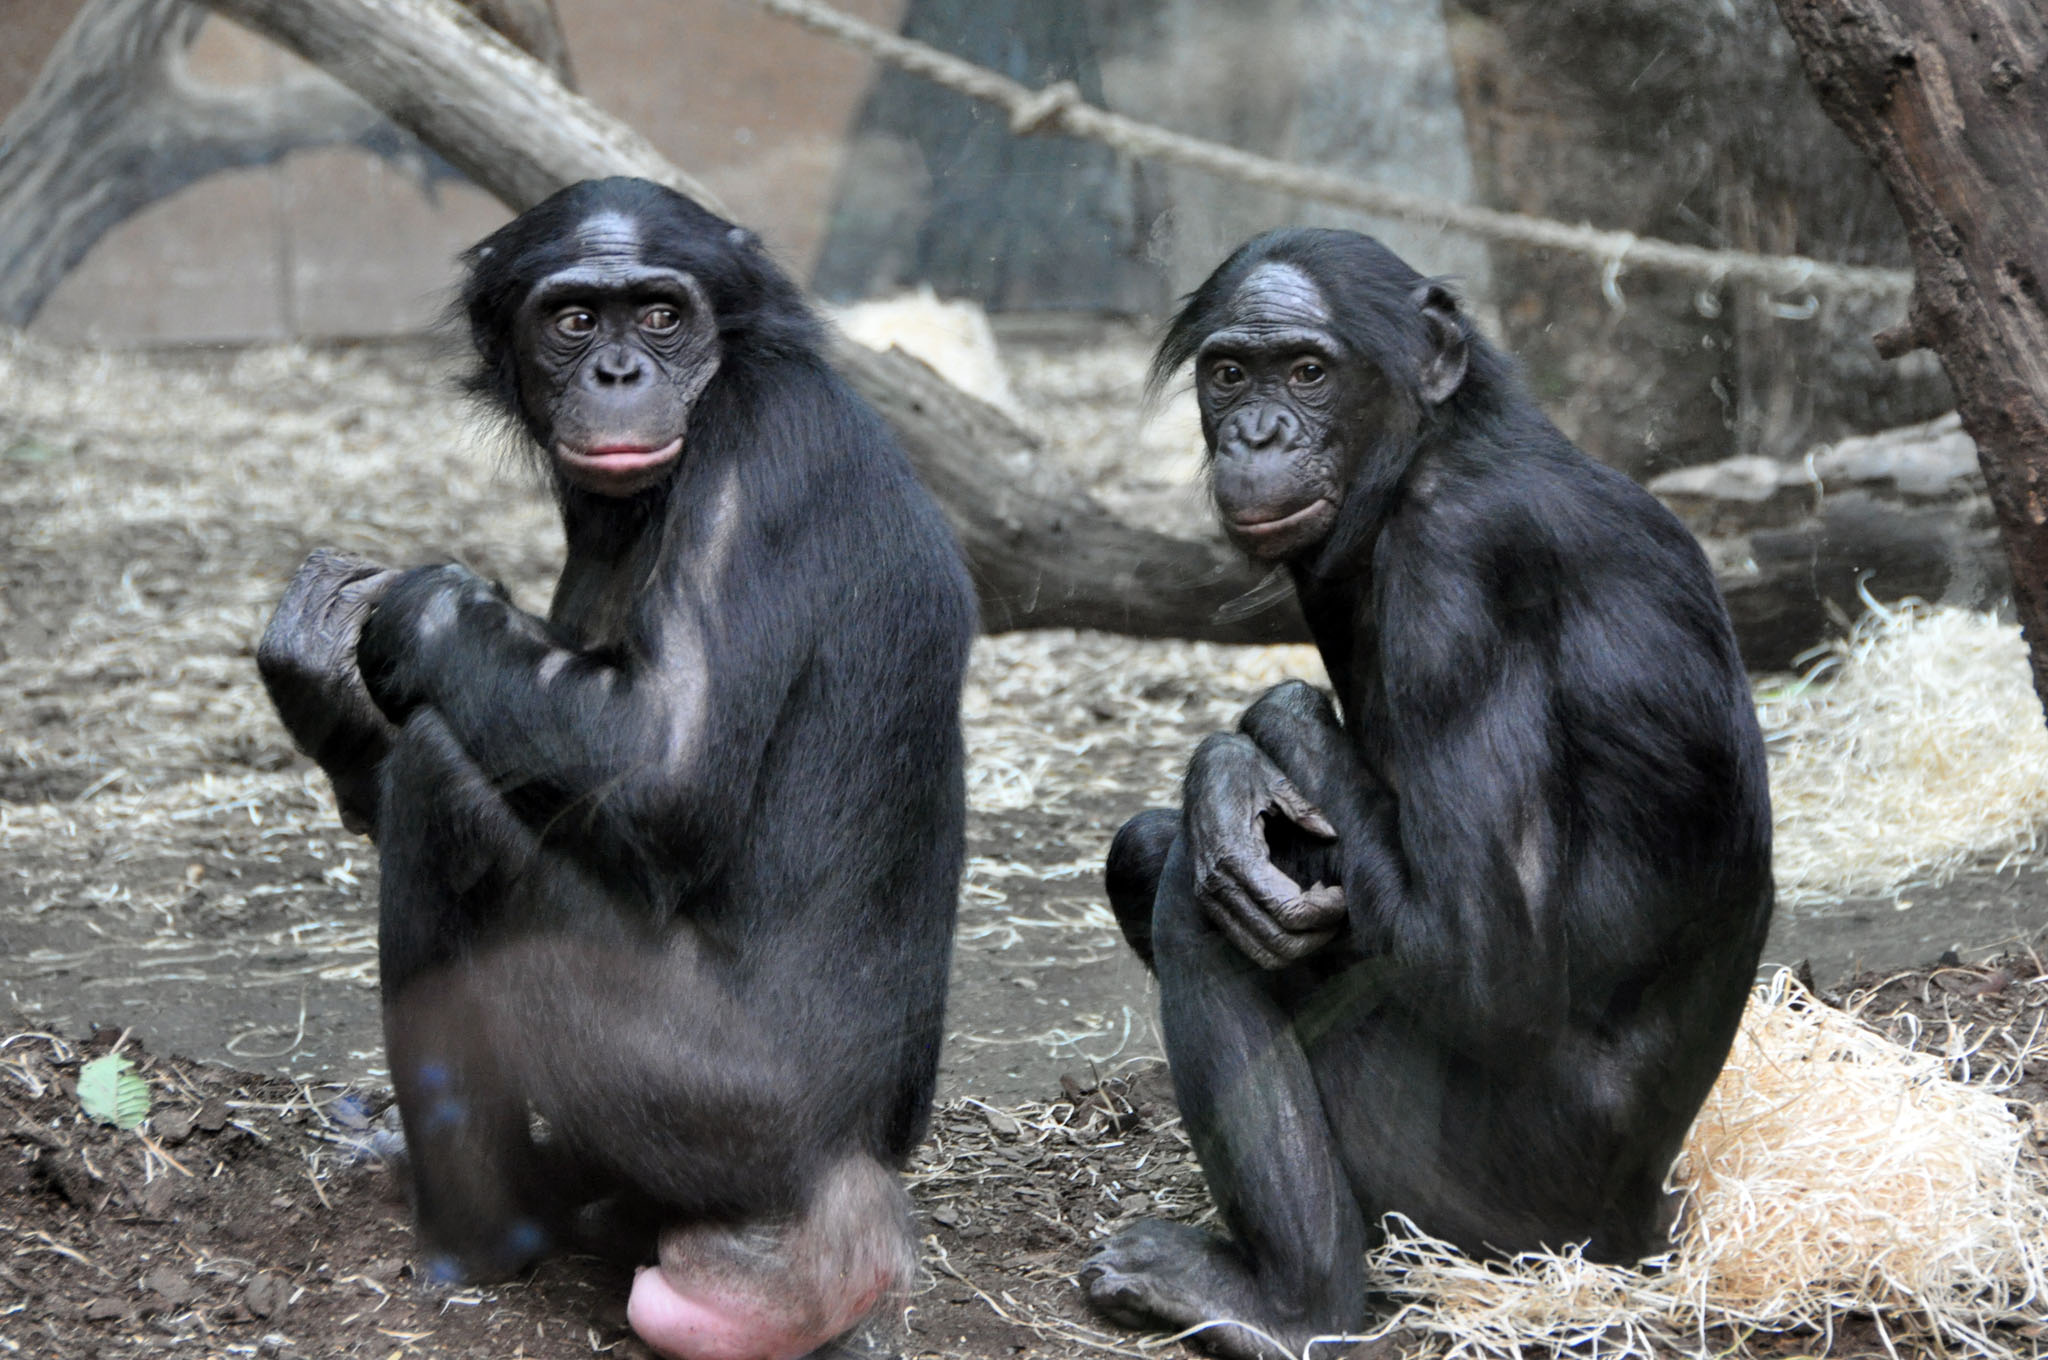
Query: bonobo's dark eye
x,y
575,322
1226,374
660,320
1307,373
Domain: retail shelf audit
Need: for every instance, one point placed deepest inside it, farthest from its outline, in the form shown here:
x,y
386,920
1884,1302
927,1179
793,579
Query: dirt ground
x,y
172,872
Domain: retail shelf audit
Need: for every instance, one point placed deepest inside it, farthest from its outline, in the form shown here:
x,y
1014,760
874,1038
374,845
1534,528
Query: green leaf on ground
x,y
111,1092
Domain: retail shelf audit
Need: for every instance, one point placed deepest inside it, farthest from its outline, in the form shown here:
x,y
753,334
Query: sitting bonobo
x,y
668,876
1469,945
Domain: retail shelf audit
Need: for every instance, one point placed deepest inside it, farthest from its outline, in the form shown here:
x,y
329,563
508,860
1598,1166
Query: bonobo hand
x,y
308,661
1232,786
402,645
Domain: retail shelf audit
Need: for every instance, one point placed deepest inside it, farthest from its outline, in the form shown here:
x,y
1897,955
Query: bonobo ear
x,y
1444,369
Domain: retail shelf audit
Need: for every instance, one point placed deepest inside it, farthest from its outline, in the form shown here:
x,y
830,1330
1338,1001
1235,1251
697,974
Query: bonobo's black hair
x,y
1371,294
759,310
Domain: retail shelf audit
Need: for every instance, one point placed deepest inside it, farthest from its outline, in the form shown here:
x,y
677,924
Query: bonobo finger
x,y
1300,810
1319,908
1297,945
1234,910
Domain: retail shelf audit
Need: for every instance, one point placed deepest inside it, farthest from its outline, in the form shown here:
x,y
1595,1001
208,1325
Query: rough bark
x,y
116,122
1949,99
1043,554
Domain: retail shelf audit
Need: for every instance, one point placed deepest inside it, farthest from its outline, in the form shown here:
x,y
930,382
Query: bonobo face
x,y
1280,402
613,353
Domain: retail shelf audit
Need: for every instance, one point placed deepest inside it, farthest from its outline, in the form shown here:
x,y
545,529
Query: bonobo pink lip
x,y
620,459
1269,528
617,469
1285,535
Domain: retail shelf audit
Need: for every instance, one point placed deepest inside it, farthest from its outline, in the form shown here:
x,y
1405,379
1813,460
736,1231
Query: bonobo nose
x,y
1260,429
619,367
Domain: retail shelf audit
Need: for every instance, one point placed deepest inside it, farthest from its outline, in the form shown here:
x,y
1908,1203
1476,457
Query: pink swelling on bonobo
x,y
707,1326
709,1329
777,1291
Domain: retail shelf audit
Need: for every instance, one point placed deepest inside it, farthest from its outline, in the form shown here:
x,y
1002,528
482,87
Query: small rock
x,y
1134,1204
1002,1125
172,1126
155,1199
351,1112
272,1345
105,1310
266,1295
212,1116
383,1270
946,1217
170,1285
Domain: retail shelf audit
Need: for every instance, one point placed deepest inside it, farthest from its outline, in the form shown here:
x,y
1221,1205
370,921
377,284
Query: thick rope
x,y
1059,109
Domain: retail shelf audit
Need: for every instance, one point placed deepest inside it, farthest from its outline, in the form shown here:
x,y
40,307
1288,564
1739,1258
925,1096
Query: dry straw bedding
x,y
152,508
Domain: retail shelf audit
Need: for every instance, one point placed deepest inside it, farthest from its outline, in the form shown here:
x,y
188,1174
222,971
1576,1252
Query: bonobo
x,y
1469,945
668,877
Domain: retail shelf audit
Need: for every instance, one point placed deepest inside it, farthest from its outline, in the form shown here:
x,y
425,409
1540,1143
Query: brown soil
x,y
250,1215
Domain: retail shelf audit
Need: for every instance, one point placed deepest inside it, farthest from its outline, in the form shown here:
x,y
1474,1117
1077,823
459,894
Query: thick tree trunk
x,y
1043,554
1949,98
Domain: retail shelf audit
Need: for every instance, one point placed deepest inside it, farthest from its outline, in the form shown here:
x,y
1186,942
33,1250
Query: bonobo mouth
x,y
1280,535
619,468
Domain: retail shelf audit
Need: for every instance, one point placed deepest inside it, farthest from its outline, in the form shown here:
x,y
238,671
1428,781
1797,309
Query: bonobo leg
x,y
1136,857
449,855
308,662
1292,1266
654,1081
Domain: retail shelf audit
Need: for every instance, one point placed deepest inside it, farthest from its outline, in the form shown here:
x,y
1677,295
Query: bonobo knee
x,y
1132,873
1287,713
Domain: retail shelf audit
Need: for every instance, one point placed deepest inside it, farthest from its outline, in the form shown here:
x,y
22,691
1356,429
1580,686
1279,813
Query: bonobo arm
x,y
308,662
626,749
1453,880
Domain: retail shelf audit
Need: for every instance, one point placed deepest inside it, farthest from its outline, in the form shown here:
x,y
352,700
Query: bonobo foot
x,y
308,661
778,1291
1168,1276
